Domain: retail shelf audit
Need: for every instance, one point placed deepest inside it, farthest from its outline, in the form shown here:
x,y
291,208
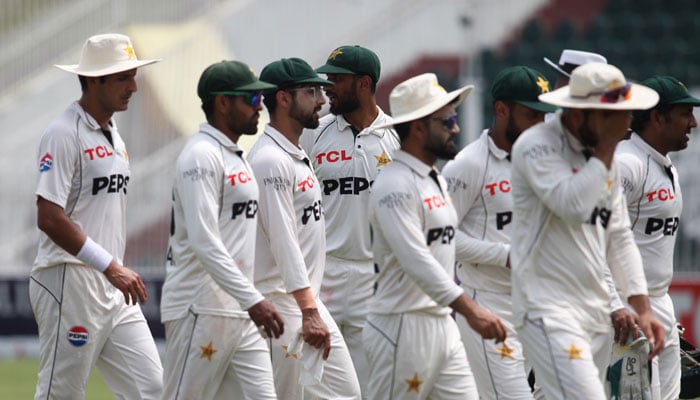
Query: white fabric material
x,y
290,240
478,181
212,247
106,54
655,203
568,212
311,359
413,222
80,171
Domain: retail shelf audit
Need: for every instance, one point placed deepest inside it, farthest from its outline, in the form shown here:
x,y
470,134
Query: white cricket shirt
x,y
81,171
347,166
569,222
414,225
478,181
290,244
654,201
212,243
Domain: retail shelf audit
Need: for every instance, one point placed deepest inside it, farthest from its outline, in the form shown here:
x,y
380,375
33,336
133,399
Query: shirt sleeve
x,y
199,196
278,220
57,159
571,195
398,216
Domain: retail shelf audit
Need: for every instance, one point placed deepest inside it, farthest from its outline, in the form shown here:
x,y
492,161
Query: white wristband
x,y
94,255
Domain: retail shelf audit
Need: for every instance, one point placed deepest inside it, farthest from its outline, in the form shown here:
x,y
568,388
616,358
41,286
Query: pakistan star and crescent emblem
x,y
335,54
382,159
574,352
505,351
129,51
287,354
543,84
207,351
414,384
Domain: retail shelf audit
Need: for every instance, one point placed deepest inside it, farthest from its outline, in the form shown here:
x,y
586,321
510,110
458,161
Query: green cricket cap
x,y
355,60
290,72
229,76
670,90
522,85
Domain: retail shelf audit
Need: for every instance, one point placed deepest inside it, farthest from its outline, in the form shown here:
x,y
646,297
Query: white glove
x,y
629,371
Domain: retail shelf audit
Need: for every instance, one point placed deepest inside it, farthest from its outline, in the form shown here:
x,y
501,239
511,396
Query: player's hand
x,y
128,281
625,325
315,331
654,332
487,325
265,316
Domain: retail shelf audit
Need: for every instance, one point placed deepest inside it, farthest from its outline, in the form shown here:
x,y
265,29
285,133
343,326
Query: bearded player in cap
x,y
79,289
290,245
654,200
570,224
347,152
479,183
412,343
209,306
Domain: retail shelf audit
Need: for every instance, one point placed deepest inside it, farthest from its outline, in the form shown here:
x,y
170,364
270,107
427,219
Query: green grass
x,y
18,380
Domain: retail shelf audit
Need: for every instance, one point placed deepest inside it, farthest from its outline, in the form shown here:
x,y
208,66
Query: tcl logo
x,y
307,183
661,195
99,152
240,177
502,186
434,202
332,156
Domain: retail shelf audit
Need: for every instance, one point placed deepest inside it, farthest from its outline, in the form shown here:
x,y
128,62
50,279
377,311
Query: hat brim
x,y
537,106
332,69
315,80
641,98
257,85
556,67
455,97
105,69
687,100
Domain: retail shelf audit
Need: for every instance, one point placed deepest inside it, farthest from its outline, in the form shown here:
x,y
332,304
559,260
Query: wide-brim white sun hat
x,y
601,86
570,59
421,96
106,54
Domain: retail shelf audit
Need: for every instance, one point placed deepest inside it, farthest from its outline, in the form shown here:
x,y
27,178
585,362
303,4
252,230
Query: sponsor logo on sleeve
x,y
46,163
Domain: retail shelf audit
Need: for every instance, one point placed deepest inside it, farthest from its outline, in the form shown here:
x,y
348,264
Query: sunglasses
x,y
448,123
313,91
251,98
617,94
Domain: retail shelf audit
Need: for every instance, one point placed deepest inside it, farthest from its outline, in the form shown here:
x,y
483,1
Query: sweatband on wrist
x,y
94,255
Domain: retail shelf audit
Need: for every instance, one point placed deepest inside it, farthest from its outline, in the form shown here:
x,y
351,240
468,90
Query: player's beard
x,y
237,123
512,131
347,104
444,149
308,120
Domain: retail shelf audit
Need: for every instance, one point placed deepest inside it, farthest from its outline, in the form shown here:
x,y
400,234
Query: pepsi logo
x,y
77,336
45,163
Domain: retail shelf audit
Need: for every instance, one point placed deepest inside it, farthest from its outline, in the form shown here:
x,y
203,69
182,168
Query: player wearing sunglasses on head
x,y
290,245
478,179
570,224
654,200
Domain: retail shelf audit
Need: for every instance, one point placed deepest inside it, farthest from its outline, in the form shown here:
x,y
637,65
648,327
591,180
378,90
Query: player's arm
x,y
199,196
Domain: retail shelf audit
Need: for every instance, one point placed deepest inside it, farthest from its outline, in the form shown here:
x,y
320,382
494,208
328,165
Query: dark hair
x,y
208,106
403,129
83,81
270,101
640,119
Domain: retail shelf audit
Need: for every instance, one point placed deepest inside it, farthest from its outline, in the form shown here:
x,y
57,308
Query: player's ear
x,y
500,109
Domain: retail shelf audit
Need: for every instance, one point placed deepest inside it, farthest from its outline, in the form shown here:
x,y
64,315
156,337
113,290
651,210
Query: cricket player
x,y
478,180
347,153
79,290
412,343
290,244
209,306
569,224
654,201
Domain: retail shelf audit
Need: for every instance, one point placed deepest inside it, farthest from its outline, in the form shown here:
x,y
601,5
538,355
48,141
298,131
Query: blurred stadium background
x,y
463,41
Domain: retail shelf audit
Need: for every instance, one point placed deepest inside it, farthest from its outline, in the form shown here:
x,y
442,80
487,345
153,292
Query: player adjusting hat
x,y
355,60
521,85
229,77
291,71
106,54
601,86
570,59
421,96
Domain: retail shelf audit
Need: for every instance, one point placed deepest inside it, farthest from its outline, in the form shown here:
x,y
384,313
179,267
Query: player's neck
x,y
289,128
363,117
100,114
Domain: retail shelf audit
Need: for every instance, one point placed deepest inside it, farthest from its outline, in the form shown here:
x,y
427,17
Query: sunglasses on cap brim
x,y
251,98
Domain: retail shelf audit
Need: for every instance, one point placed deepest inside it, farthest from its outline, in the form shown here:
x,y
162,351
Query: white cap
x,y
570,59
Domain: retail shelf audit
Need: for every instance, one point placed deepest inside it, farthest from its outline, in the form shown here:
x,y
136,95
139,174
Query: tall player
x,y
479,182
654,200
347,152
290,242
79,289
210,307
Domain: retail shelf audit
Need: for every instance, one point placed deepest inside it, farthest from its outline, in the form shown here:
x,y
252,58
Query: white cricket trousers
x,y
84,322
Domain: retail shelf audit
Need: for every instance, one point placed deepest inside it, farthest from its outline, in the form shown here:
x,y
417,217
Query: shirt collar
x,y
220,137
417,166
294,151
382,119
655,155
497,152
89,120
